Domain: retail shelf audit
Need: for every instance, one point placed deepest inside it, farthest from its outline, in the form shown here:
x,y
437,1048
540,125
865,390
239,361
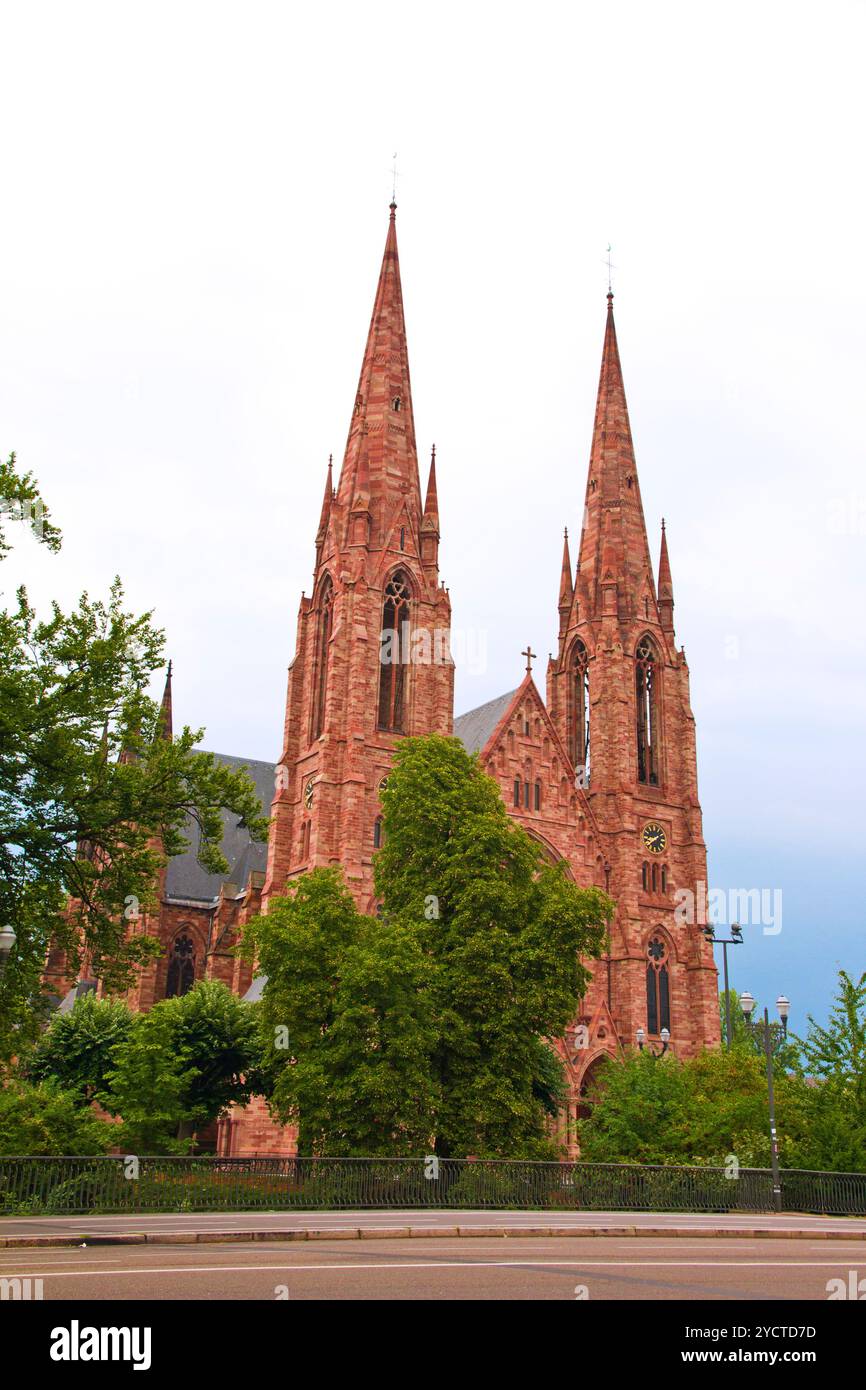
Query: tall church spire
x,y
614,553
164,724
381,459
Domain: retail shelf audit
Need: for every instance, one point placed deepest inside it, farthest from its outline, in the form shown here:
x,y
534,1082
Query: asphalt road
x,y
431,1268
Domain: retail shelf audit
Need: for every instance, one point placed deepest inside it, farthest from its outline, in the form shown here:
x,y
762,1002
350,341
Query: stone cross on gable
x,y
529,654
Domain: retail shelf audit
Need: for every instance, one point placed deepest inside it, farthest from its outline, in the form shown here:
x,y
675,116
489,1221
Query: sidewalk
x,y
208,1227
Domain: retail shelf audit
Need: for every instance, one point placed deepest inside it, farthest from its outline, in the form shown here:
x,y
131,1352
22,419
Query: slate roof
x,y
186,879
475,726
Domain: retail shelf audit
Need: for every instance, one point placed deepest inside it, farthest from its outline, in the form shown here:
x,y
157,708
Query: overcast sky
x,y
194,207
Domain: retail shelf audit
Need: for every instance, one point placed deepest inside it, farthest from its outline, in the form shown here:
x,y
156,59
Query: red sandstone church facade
x,y
602,770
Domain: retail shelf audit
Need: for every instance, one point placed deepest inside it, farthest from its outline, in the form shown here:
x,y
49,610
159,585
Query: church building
x,y
600,767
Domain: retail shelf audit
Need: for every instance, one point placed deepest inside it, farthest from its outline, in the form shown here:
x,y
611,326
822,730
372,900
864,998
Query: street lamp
x,y
735,939
640,1039
778,1031
783,1004
7,941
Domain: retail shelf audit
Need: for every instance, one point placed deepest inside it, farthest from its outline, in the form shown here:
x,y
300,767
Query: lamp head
x,y
747,1004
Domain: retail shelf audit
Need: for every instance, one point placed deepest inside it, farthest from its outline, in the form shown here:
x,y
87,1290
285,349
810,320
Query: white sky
x,y
194,210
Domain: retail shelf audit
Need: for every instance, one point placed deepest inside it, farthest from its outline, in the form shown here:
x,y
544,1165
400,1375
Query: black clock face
x,y
654,837
308,793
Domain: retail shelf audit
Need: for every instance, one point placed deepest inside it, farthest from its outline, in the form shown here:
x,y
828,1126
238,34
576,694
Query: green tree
x,y
215,1038
835,1058
147,1088
549,1083
92,798
347,1020
77,1050
211,1037
834,1130
838,1052
507,934
697,1111
43,1119
21,502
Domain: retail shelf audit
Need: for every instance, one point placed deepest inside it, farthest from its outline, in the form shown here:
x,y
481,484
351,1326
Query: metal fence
x,y
111,1184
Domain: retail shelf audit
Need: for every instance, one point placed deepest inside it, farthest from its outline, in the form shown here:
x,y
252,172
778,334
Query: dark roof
x,y
185,877
475,726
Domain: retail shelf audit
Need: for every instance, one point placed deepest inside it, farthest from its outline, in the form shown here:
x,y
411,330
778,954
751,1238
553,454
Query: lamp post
x,y
783,1004
735,939
778,1031
7,941
640,1039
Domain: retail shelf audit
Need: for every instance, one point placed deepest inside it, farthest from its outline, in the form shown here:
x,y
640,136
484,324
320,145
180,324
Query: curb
x,y
417,1233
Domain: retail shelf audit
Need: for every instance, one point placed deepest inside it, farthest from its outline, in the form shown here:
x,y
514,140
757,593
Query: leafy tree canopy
x,y
348,1022
20,502
77,1050
92,797
43,1119
508,934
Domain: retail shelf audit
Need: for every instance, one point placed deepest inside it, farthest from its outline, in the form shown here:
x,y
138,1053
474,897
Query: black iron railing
x,y
138,1185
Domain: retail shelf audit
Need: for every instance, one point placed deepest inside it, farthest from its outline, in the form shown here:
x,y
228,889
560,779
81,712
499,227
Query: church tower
x,y
618,696
372,660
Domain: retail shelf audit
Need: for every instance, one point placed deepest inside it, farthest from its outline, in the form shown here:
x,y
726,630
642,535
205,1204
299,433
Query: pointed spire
x,y
164,724
431,506
666,587
613,544
566,587
326,500
381,459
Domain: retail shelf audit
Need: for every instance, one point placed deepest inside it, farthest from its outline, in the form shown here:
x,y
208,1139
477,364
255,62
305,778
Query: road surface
x,y
509,1267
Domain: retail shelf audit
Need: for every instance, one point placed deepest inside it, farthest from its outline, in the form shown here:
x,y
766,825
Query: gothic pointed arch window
x,y
394,653
658,987
648,720
181,966
325,624
580,709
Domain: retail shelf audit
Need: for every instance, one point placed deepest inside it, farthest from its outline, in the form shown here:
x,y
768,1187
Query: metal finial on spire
x,y
433,454
610,268
394,182
663,523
